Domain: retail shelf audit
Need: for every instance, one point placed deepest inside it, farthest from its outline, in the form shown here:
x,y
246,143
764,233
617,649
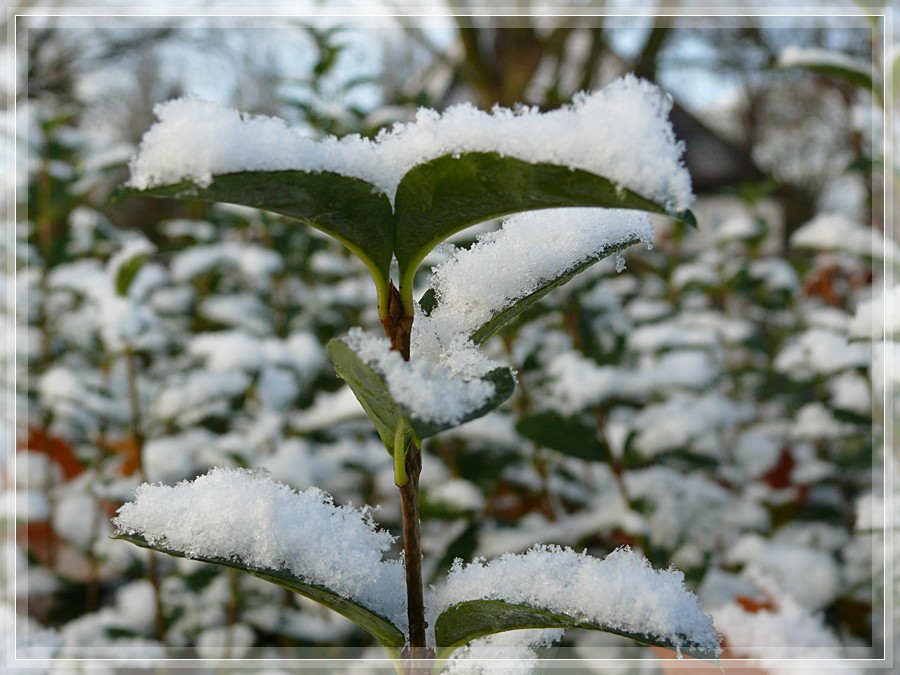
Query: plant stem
x,y
412,554
397,325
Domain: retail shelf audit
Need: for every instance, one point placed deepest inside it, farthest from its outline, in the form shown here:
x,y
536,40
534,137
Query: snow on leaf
x,y
242,515
620,593
634,146
532,250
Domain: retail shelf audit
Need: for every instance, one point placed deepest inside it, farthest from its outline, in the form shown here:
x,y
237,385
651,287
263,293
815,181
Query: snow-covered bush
x,y
713,411
397,198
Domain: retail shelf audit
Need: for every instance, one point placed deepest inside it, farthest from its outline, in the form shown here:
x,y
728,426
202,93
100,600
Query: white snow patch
x,y
228,350
444,391
739,226
878,317
621,591
769,636
815,422
502,267
256,264
808,575
226,642
837,232
621,132
510,653
168,459
819,351
197,394
238,514
576,382
776,273
328,410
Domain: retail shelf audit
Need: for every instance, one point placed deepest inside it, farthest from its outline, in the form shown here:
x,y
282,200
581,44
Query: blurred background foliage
x,y
719,405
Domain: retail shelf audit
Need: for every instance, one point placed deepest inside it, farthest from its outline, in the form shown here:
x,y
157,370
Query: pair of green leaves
x,y
434,200
456,626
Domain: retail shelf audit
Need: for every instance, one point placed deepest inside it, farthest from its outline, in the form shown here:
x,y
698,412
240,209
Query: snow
x,y
809,576
456,493
621,591
27,641
227,350
850,391
328,409
512,653
819,351
168,459
301,351
277,388
789,631
739,226
684,421
256,264
814,421
225,642
122,319
878,317
757,450
684,331
577,382
776,273
243,515
686,508
123,322
198,394
77,517
621,132
74,396
198,230
835,231
94,635
442,391
870,513
504,266
700,274
135,602
239,310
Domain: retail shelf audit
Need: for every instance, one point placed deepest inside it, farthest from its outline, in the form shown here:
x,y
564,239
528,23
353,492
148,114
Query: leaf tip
x,y
687,217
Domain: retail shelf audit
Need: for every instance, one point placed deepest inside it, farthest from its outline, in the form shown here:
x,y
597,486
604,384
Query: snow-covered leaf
x,y
349,209
299,540
380,628
446,195
479,290
552,587
424,397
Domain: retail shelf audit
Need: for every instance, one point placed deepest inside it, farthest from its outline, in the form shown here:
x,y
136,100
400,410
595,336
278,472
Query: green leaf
x,y
380,628
571,436
854,76
128,271
369,388
480,335
349,209
387,414
448,194
467,621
